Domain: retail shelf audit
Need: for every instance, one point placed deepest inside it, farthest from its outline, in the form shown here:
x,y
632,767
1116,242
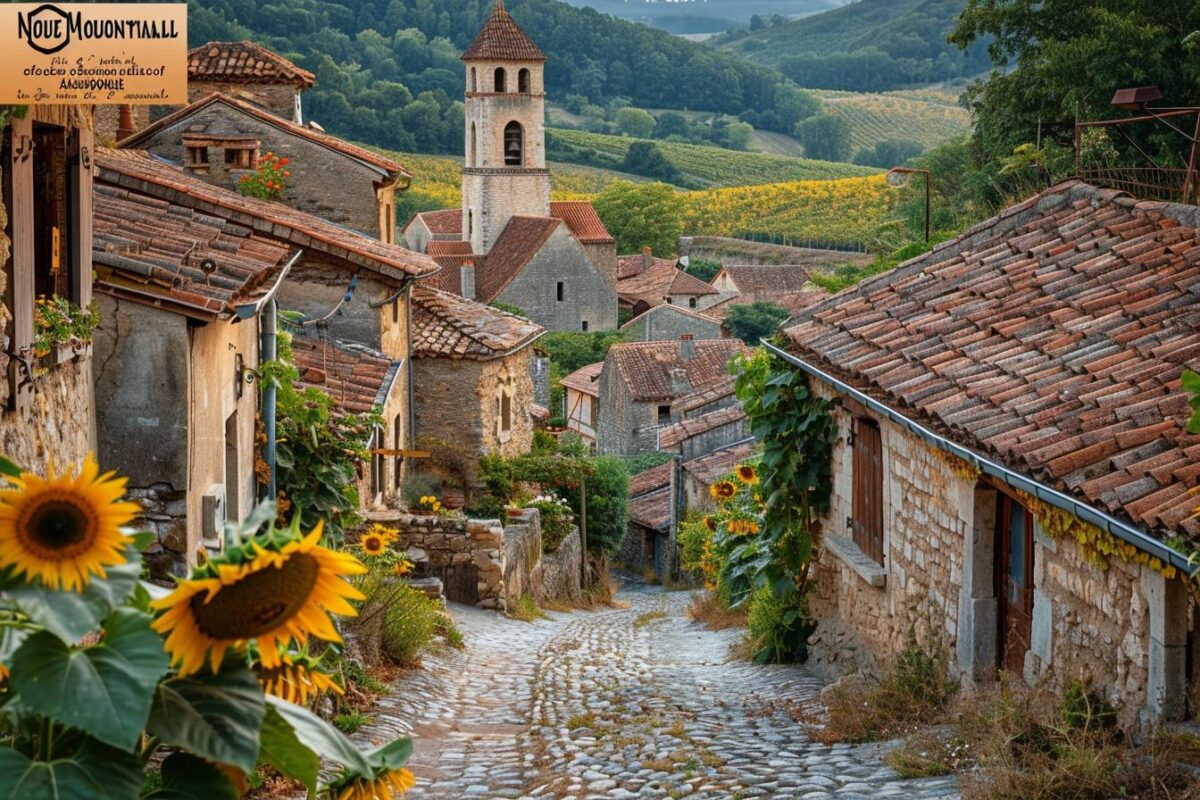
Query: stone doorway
x,y
1013,583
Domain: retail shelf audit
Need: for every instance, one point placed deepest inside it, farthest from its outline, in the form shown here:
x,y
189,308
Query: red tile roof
x,y
356,377
448,326
718,390
666,308
650,480
439,247
1050,338
766,278
393,169
714,466
167,255
445,221
275,220
646,366
660,279
244,62
585,379
517,244
672,435
652,510
451,257
628,266
792,302
582,219
501,39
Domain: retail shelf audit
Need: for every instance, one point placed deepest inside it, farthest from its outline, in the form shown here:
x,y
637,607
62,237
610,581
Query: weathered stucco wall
x,y
316,286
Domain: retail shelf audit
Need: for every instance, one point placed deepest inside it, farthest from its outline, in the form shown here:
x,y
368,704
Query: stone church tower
x,y
504,172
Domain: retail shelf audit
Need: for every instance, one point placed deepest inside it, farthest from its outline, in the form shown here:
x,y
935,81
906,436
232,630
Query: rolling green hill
x,y
870,45
705,16
874,118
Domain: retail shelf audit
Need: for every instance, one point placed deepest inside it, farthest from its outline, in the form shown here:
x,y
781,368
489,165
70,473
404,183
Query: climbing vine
x,y
795,482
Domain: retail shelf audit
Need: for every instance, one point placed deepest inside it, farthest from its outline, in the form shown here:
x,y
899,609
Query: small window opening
x,y
664,414
560,291
514,144
474,80
523,81
397,444
585,326
501,80
505,413
691,302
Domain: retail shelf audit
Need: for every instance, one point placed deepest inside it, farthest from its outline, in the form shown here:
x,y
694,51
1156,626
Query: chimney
x,y
467,279
687,347
680,385
647,257
125,125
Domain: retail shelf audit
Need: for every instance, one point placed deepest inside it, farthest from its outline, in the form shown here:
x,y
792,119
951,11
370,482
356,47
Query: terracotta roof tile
x,y
585,379
445,221
277,221
628,266
650,480
714,466
792,302
157,252
356,377
501,39
520,240
244,62
766,278
718,390
646,366
446,325
660,279
582,219
673,435
1051,338
652,510
328,141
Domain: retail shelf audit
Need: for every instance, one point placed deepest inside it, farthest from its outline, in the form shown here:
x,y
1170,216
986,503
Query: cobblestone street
x,y
618,704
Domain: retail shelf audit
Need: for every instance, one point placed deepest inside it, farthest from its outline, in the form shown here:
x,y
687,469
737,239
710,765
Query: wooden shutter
x,y
866,522
81,216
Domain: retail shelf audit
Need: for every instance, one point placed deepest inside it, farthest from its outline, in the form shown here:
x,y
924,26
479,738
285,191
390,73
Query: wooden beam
x,y
391,451
21,287
81,168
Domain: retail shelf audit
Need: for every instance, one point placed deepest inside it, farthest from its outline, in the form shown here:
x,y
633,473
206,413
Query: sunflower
x,y
746,474
710,522
64,529
279,593
373,544
392,783
296,679
722,490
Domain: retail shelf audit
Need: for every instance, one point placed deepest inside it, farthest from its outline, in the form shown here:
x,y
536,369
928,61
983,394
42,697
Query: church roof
x,y
501,39
521,239
581,217
244,62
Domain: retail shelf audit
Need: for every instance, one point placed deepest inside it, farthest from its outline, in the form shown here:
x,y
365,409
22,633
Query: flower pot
x,y
516,513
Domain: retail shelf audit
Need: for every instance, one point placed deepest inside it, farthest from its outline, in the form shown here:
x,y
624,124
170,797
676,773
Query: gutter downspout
x,y
269,353
412,401
1106,522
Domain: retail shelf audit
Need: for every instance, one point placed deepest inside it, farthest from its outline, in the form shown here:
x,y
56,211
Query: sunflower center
x,y
259,602
57,527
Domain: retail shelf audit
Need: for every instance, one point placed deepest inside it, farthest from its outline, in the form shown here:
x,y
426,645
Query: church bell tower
x,y
504,170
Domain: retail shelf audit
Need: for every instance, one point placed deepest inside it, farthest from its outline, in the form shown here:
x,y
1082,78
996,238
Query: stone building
x,y
221,138
472,376
1010,415
511,245
701,473
761,281
645,282
649,543
641,381
581,397
701,435
669,322
47,408
360,380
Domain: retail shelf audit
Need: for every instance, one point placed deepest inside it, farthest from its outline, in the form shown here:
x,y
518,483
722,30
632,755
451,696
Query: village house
x,y
702,472
473,385
203,357
581,398
1012,472
644,282
669,322
221,138
761,281
47,406
511,245
361,380
649,543
700,435
641,381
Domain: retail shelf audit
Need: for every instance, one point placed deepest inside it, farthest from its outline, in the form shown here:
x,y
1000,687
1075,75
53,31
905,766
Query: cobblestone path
x,y
630,703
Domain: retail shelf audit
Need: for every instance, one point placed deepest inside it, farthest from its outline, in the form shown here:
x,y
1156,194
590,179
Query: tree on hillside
x,y
888,153
1070,56
647,160
752,322
825,137
671,123
642,215
635,122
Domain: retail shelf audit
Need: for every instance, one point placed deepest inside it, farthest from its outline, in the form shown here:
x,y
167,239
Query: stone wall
x,y
587,294
557,577
279,99
722,436
669,323
523,552
164,513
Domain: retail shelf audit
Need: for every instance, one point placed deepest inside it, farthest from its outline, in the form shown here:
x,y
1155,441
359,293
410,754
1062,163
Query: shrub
x,y
557,519
417,486
403,619
607,504
268,181
779,630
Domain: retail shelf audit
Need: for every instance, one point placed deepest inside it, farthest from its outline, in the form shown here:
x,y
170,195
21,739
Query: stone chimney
x,y
467,278
687,347
125,124
680,385
647,258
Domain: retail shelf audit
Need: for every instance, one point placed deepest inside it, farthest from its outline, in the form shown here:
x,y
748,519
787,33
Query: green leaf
x,y
319,736
187,777
392,755
216,717
104,689
93,772
72,615
143,539
8,467
279,747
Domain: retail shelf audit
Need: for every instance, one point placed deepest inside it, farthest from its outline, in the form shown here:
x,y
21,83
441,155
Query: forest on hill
x,y
388,70
867,46
705,16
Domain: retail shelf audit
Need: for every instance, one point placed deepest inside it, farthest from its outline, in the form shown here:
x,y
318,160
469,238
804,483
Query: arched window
x,y
470,223
474,162
474,80
523,81
501,80
514,144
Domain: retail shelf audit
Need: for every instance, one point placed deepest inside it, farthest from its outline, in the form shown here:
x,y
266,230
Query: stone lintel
x,y
852,556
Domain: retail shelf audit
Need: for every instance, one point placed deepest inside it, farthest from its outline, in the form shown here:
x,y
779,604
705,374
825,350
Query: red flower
x,y
283,162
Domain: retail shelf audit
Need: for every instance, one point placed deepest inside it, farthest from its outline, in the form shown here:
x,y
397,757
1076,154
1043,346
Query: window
x,y
470,223
1013,565
866,521
52,234
396,311
584,326
399,459
474,148
505,413
237,157
560,291
474,80
664,414
523,81
514,144
501,80
197,159
593,409
691,302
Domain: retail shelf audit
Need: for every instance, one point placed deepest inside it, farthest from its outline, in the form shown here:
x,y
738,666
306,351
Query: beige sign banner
x,y
93,53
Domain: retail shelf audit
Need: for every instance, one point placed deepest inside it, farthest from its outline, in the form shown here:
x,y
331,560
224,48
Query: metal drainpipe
x,y
412,400
269,352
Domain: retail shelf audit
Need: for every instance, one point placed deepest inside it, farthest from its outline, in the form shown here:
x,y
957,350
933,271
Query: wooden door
x,y
1014,582
866,520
